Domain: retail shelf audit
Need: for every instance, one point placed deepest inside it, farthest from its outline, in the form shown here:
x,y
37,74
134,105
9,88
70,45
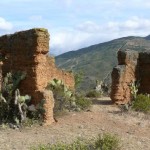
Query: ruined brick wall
x,y
27,51
144,72
132,66
123,75
54,72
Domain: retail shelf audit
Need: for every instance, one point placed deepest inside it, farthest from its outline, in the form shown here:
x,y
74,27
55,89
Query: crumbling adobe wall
x,y
54,72
132,66
27,51
144,72
123,75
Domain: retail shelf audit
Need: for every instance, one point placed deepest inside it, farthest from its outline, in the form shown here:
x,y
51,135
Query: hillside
x,y
97,61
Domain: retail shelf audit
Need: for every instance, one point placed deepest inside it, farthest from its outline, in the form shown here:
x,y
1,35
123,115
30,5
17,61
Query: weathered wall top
x,y
132,66
30,41
127,57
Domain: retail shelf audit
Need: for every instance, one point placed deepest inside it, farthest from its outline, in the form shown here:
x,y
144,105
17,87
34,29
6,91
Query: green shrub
x,y
13,106
35,114
78,79
62,95
83,102
76,145
65,99
93,93
107,142
15,109
141,103
134,88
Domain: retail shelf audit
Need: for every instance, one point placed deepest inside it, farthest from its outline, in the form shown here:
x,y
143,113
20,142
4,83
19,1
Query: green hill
x,y
97,61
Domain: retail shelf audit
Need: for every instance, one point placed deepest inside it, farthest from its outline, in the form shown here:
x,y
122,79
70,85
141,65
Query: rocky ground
x,y
132,128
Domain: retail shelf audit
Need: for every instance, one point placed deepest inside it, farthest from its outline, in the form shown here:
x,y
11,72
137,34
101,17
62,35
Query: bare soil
x,y
132,128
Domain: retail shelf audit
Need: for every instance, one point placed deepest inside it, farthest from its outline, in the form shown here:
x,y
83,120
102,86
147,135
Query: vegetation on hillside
x,y
97,61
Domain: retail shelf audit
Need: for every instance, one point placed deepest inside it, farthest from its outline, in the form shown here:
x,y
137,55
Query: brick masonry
x,y
132,66
27,51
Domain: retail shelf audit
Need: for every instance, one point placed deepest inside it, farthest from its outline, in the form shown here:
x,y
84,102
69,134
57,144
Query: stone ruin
x,y
132,66
27,51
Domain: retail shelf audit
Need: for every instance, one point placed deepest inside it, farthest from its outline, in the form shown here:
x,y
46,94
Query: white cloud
x,y
134,24
35,18
5,25
75,23
83,35
129,4
88,33
68,2
137,23
63,41
88,26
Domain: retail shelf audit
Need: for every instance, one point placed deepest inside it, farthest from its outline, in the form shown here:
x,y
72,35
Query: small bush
x,y
62,95
141,103
76,145
13,106
107,142
65,99
83,102
93,93
17,110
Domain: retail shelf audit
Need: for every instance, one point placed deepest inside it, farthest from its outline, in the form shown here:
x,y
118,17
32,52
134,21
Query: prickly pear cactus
x,y
134,89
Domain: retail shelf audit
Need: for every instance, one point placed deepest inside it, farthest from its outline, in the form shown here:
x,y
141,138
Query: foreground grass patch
x,y
102,142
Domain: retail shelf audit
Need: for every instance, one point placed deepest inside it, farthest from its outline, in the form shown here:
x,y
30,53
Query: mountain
x,y
147,37
97,61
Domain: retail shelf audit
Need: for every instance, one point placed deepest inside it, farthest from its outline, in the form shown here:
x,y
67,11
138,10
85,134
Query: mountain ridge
x,y
97,61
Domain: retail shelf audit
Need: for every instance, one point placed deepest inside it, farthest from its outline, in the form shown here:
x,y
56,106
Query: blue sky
x,y
75,24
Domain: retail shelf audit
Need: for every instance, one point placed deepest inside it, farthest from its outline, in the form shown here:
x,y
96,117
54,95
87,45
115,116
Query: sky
x,y
75,24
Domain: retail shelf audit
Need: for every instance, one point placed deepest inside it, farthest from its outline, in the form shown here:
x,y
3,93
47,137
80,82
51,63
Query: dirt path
x,y
132,128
